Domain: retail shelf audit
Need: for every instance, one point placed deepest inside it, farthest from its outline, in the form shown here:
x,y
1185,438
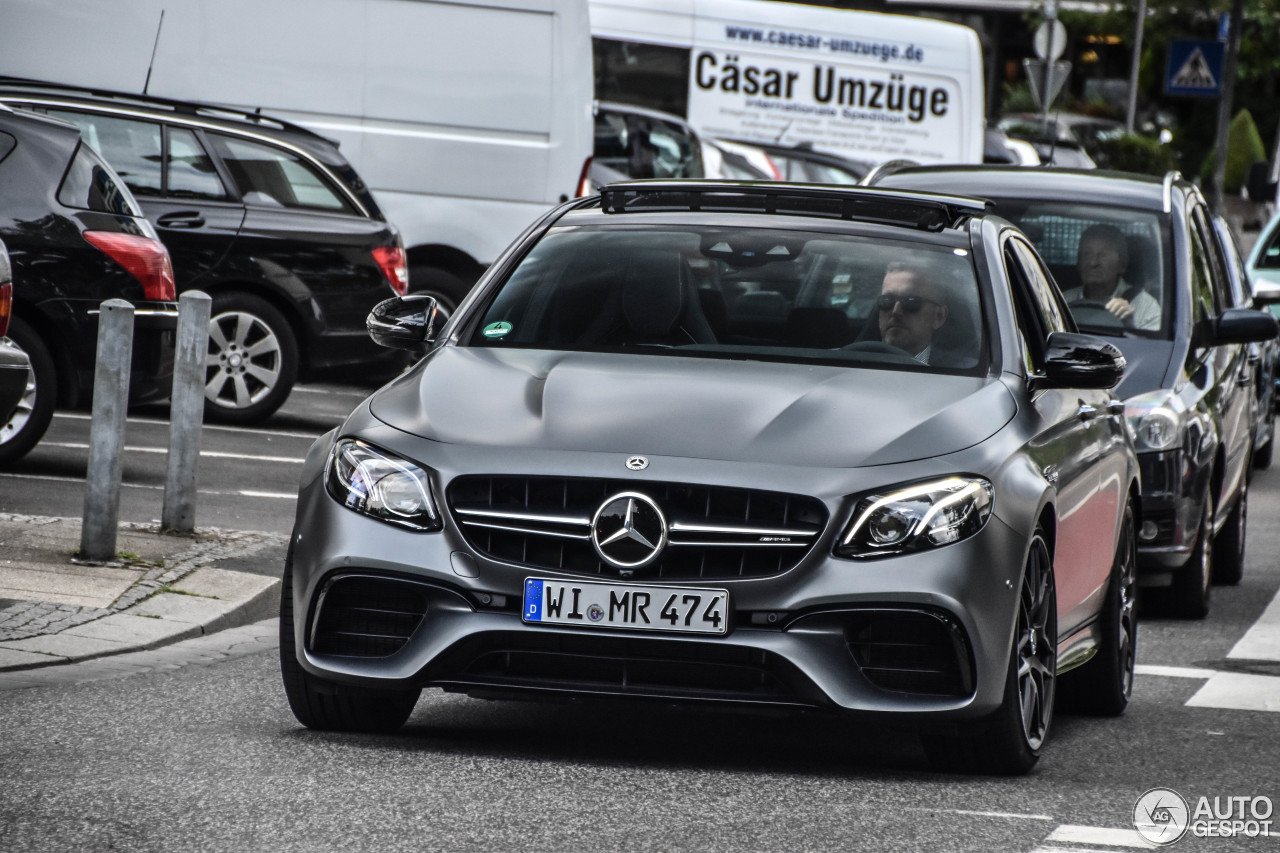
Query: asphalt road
x,y
201,752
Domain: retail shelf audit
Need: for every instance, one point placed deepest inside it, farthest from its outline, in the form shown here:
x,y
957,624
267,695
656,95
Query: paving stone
x,y
67,646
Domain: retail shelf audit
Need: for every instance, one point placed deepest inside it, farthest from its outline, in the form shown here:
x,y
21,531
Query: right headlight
x,y
1157,420
916,517
379,484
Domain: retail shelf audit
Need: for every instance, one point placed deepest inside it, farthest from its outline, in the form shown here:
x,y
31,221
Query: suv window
x,y
131,146
89,185
1052,313
191,173
271,176
1219,280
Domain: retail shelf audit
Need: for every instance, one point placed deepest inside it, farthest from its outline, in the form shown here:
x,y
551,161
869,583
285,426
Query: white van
x,y
870,86
467,118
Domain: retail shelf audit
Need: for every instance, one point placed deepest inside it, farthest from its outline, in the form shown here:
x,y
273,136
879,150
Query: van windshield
x,y
743,293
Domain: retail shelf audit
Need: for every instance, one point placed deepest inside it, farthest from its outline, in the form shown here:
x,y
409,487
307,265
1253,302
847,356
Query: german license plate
x,y
589,604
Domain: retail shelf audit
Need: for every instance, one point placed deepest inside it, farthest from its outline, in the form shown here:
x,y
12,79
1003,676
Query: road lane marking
x,y
215,454
1262,640
1238,691
235,493
1174,671
1072,834
330,393
312,436
1008,815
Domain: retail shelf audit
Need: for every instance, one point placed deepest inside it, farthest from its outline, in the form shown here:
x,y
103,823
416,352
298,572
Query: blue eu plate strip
x,y
533,600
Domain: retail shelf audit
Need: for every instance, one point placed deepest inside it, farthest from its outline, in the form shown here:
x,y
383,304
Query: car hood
x,y
690,407
1147,365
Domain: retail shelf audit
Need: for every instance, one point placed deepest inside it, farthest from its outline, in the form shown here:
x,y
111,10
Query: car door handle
x,y
1087,412
181,219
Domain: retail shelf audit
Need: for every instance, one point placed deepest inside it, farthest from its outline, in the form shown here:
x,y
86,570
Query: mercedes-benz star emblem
x,y
637,463
629,531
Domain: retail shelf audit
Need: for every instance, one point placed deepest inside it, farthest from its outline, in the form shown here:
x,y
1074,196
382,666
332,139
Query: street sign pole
x,y
1136,60
1224,106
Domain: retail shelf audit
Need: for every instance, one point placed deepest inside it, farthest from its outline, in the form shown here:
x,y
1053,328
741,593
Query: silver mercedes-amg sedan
x,y
809,448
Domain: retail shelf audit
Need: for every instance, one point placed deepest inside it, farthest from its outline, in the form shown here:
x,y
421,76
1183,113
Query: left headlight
x,y
380,485
917,517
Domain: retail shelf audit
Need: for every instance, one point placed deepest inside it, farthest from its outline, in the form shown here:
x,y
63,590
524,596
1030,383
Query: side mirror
x,y
1243,326
402,321
1074,360
1258,182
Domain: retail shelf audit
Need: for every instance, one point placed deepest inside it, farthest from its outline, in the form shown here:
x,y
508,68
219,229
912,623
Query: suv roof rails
x,y
924,211
191,108
888,167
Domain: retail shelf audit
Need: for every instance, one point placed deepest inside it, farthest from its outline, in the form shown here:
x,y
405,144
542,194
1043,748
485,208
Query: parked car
x,y
1262,355
15,364
75,237
804,164
1065,139
633,142
267,218
1188,391
615,477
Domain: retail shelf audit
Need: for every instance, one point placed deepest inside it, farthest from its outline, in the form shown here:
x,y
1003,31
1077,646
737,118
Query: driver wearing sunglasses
x,y
912,308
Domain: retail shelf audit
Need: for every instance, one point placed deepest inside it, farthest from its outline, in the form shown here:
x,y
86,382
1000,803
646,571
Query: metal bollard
x,y
106,431
186,411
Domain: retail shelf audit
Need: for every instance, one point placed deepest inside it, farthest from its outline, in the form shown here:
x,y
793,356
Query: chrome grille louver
x,y
714,532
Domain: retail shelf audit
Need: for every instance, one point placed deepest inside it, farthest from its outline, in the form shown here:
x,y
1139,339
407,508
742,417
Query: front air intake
x,y
911,651
366,617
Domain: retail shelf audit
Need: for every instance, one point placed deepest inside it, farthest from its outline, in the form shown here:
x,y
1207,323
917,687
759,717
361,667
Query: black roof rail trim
x,y
924,211
190,108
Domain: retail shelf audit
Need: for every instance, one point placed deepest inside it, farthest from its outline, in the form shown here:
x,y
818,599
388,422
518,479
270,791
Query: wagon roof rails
x,y
189,108
923,211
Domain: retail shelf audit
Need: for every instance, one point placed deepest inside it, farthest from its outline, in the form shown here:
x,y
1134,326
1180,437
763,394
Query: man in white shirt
x,y
1102,257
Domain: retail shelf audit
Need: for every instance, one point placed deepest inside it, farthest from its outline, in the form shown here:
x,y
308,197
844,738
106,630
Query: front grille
x,y
367,617
624,665
911,651
713,532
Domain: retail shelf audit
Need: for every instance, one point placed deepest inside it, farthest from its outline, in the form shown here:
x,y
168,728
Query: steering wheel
x,y
878,347
1091,312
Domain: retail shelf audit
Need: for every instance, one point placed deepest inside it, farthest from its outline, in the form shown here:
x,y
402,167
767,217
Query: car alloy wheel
x,y
35,410
1009,742
1190,590
1228,545
252,360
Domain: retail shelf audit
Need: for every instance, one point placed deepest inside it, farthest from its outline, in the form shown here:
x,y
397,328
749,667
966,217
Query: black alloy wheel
x,y
1228,545
1102,686
324,705
1009,742
35,410
1262,455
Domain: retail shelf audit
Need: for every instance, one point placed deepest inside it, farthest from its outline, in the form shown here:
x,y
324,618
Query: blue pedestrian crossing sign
x,y
1195,68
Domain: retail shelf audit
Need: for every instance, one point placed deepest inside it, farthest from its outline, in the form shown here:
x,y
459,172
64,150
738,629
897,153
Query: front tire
x,y
1228,545
1009,742
252,362
28,423
1190,590
1102,686
325,705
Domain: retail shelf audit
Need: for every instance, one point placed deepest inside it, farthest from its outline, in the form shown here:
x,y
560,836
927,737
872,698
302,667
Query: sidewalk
x,y
162,588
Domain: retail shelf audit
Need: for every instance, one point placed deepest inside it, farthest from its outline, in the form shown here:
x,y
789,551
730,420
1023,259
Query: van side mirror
x,y
1243,326
402,321
1074,360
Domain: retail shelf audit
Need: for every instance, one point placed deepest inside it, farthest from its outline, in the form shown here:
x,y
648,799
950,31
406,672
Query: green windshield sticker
x,y
497,330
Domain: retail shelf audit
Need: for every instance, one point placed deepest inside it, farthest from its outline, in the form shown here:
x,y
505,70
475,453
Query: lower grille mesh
x,y
367,617
911,652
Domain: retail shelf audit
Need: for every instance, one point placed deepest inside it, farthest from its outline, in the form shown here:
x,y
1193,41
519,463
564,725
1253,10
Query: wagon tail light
x,y
394,264
146,259
6,307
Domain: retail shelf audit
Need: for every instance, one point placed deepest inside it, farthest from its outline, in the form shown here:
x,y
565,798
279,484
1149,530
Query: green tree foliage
x,y
1133,153
1244,147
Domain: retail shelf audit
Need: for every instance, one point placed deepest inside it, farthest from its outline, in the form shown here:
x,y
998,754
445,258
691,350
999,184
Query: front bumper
x,y
1173,491
925,635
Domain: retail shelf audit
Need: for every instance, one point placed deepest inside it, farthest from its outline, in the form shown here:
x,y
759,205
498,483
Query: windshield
x,y
1099,254
743,293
